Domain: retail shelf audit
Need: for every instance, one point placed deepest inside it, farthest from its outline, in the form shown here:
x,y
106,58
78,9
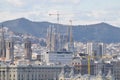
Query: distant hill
x,y
101,32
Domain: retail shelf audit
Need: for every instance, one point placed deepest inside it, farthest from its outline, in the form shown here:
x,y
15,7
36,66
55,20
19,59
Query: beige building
x,y
29,72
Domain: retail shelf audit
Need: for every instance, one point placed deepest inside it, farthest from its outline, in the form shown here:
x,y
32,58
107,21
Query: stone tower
x,y
27,49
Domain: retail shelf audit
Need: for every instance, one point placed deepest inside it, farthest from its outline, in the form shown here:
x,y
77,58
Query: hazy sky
x,y
80,11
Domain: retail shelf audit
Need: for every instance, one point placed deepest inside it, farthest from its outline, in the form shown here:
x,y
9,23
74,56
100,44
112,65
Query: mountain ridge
x,y
100,32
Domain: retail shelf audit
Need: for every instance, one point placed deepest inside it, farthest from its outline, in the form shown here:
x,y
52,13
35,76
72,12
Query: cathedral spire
x,y
2,33
2,44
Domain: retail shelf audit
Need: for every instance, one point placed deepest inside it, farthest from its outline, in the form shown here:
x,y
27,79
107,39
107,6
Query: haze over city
x,y
80,11
59,40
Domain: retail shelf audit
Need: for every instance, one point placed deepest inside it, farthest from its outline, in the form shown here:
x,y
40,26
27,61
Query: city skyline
x,y
80,11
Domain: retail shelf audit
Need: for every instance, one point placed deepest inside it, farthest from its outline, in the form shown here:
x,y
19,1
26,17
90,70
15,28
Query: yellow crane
x,y
89,57
88,64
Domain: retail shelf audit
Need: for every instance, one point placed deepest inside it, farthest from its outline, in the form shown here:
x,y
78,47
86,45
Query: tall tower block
x,y
89,49
27,49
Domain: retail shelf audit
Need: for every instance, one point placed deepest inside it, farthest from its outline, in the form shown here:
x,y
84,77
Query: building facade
x,y
64,58
29,72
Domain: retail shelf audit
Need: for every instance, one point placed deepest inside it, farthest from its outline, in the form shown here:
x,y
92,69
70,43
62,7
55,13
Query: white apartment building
x,y
64,58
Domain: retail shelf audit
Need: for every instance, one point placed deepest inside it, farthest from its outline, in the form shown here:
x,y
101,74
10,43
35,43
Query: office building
x,y
64,58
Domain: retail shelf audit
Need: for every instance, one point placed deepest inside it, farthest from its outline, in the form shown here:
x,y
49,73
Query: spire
x,y
70,37
2,44
2,34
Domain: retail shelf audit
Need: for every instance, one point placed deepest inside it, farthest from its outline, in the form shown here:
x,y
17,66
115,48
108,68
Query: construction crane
x,y
57,18
57,29
57,14
88,64
89,58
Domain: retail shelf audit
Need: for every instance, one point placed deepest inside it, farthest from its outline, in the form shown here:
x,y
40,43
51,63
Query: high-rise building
x,y
95,49
99,49
10,50
89,49
27,49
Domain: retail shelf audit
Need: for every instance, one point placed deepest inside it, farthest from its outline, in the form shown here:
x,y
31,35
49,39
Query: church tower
x,y
2,45
10,50
27,49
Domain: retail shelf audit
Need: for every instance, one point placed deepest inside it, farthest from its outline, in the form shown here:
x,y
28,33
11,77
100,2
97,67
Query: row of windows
x,y
42,75
42,70
30,79
28,75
